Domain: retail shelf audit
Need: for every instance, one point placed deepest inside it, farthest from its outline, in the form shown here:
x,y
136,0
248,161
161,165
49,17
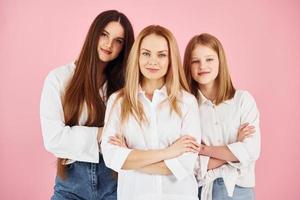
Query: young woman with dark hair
x,y
73,104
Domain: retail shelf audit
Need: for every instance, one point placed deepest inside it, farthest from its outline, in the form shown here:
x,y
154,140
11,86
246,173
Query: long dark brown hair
x,y
225,87
83,87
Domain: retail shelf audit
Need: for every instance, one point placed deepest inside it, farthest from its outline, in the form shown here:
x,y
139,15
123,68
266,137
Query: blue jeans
x,y
220,192
86,181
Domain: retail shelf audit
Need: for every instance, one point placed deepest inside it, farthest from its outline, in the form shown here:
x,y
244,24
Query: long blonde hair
x,y
174,80
224,84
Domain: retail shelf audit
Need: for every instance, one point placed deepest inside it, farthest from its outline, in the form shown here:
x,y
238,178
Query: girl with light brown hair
x,y
152,131
229,122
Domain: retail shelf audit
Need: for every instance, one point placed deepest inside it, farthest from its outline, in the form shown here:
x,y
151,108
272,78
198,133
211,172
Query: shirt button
x,y
216,123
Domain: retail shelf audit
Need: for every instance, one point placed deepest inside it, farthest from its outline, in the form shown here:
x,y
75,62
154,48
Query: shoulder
x,y
188,98
244,98
115,98
61,74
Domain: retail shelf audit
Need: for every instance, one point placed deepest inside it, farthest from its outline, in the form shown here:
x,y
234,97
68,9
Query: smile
x,y
152,70
105,51
203,73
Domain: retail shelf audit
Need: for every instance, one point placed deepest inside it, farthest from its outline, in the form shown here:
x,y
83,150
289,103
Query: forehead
x,y
154,42
115,29
201,50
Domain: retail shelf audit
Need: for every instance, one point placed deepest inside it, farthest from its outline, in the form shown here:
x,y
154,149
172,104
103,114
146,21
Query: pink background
x,y
261,39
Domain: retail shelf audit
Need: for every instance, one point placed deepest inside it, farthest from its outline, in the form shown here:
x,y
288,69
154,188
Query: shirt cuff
x,y
120,158
203,165
176,168
240,153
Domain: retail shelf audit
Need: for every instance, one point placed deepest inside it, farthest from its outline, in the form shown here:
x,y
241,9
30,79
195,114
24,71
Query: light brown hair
x,y
225,88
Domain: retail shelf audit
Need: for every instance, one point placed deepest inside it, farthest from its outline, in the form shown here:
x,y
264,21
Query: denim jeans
x,y
220,192
86,181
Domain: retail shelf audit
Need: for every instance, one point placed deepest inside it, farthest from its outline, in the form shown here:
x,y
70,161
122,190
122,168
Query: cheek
x,y
164,64
194,71
215,68
142,61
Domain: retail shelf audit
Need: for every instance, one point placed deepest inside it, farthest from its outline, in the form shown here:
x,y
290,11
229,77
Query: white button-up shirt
x,y
219,127
163,129
77,143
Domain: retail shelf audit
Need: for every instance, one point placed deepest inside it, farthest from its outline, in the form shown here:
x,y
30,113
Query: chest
x,y
219,124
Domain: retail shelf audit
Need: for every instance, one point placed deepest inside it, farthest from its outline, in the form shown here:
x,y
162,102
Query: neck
x,y
150,85
209,91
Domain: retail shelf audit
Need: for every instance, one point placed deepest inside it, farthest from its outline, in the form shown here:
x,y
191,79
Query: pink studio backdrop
x,y
261,39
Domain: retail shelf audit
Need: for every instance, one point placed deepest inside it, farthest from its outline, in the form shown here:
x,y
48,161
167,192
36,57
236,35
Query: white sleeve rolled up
x,y
114,156
248,150
71,142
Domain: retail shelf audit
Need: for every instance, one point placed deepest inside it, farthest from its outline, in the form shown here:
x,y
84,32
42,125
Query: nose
x,y
153,60
109,43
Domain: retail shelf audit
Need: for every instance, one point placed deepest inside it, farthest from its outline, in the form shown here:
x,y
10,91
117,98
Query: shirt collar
x,y
203,99
163,90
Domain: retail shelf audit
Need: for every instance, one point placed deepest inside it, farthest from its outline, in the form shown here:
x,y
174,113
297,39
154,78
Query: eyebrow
x,y
158,51
204,56
120,38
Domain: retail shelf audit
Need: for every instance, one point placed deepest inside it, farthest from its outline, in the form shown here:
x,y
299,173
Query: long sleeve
x,y
114,156
183,165
76,142
248,150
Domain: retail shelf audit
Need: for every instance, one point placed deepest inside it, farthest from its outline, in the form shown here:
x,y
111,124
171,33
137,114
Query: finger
x,y
194,143
115,139
192,146
243,126
115,143
249,128
188,149
185,137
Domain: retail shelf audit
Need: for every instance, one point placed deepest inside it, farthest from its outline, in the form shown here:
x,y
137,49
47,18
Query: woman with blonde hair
x,y
152,130
229,122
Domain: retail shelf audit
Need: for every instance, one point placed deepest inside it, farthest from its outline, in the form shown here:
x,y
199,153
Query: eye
x,y
119,41
147,54
195,62
103,34
209,59
162,55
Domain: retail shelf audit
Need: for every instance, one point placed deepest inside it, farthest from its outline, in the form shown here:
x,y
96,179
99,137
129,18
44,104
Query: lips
x,y
203,73
153,70
106,51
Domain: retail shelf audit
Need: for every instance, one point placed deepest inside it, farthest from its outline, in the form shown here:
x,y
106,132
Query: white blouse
x,y
77,143
161,131
219,126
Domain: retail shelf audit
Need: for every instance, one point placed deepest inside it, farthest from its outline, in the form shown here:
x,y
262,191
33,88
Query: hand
x,y
184,144
118,141
202,148
245,131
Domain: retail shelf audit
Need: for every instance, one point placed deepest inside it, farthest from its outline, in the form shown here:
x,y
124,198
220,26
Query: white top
x,y
219,126
163,129
77,143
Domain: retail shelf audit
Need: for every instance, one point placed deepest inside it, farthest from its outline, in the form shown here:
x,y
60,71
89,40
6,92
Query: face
x,y
154,57
111,41
204,65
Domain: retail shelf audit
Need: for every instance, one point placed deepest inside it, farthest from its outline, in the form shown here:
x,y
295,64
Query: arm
x,y
141,160
156,168
214,163
248,150
72,142
183,166
218,152
223,152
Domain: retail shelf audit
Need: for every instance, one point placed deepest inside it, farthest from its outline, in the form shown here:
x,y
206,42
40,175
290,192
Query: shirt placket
x,y
155,136
217,125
